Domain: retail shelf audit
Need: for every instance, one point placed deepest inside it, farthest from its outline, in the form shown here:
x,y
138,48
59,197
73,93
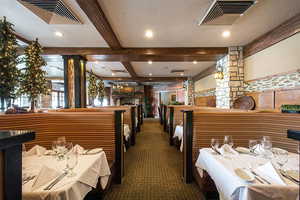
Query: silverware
x,y
261,178
59,178
86,152
283,173
215,150
28,179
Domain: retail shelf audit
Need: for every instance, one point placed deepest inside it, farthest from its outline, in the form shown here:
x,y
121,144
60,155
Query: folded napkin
x,y
36,150
126,132
227,150
268,172
45,176
259,149
80,150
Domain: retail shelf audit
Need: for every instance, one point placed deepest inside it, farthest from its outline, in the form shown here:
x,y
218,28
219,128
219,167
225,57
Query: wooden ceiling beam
x,y
96,15
281,32
21,38
210,70
145,79
130,69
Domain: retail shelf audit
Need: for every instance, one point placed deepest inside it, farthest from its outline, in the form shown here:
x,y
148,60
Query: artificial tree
x,y
9,73
93,87
33,78
101,91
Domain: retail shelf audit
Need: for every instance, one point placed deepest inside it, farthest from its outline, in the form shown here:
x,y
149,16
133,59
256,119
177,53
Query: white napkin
x,y
227,150
45,176
126,132
259,149
268,172
36,150
79,149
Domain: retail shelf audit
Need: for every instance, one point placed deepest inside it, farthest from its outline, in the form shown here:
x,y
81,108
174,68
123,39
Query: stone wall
x,y
232,86
189,84
281,81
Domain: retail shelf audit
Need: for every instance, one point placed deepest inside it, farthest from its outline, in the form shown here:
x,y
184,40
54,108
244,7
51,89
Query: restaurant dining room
x,y
149,99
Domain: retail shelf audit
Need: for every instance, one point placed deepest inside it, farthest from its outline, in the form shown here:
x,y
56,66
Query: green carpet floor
x,y
153,170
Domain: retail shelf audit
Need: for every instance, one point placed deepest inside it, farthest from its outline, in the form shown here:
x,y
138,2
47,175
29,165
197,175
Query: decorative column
x,y
75,81
231,86
189,84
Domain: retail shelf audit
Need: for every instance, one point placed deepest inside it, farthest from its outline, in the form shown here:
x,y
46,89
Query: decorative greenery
x,y
101,90
9,73
176,103
92,88
33,79
290,108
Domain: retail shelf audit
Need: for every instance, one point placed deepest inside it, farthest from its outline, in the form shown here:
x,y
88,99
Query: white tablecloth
x,y
179,134
88,171
231,187
126,132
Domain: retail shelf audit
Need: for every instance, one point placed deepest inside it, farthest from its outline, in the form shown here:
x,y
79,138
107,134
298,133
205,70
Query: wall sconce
x,y
219,75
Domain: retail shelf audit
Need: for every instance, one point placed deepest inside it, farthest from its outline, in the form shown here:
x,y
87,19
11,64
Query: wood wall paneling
x,y
207,101
287,96
263,100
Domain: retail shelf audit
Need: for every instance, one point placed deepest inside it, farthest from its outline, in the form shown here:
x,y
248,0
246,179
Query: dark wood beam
x,y
145,79
130,69
204,73
281,32
143,54
21,38
95,13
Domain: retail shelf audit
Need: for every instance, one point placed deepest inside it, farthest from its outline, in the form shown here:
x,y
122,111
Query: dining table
x,y
179,134
90,170
222,170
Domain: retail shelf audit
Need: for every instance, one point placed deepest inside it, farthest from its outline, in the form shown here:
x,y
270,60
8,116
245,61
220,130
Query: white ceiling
x,y
163,69
174,22
104,69
30,26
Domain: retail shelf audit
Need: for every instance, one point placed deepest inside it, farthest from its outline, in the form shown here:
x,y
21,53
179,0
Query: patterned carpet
x,y
153,170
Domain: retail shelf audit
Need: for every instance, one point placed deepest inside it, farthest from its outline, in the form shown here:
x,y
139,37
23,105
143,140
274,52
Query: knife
x,y
59,178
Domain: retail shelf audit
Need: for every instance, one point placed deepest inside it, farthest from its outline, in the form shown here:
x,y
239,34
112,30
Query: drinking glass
x,y
59,149
62,140
71,162
267,148
281,157
228,140
214,143
266,138
252,145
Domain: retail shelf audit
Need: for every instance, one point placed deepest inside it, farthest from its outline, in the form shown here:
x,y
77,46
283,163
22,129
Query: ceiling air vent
x,y
177,71
51,11
225,12
118,71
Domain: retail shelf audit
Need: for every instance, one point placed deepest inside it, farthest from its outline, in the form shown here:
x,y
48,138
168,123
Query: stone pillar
x,y
232,86
75,81
190,91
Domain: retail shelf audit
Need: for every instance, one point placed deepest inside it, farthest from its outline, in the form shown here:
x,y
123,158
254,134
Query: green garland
x,y
33,79
9,73
101,91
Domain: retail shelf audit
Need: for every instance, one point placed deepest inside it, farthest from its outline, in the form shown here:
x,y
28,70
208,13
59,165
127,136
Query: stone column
x,y
75,81
190,91
232,86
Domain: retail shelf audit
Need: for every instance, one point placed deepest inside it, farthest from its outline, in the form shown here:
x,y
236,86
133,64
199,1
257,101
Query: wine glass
x,y
267,148
266,138
71,161
281,157
214,144
228,140
252,145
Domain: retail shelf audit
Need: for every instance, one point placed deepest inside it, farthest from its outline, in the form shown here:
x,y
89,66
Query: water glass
x,y
281,157
71,162
266,138
252,145
267,148
214,143
228,140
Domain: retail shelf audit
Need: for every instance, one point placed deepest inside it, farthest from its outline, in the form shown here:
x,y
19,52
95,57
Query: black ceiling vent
x,y
177,71
224,12
51,11
118,71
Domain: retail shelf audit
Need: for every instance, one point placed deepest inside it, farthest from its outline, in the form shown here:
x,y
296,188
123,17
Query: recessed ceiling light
x,y
195,62
58,34
226,34
149,34
181,74
255,2
150,74
97,62
150,62
112,74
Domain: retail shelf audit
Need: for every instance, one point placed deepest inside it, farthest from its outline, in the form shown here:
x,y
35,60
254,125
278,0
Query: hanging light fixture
x,y
219,75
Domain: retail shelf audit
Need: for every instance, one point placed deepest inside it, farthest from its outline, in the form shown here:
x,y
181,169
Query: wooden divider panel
x,y
90,130
207,101
243,126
